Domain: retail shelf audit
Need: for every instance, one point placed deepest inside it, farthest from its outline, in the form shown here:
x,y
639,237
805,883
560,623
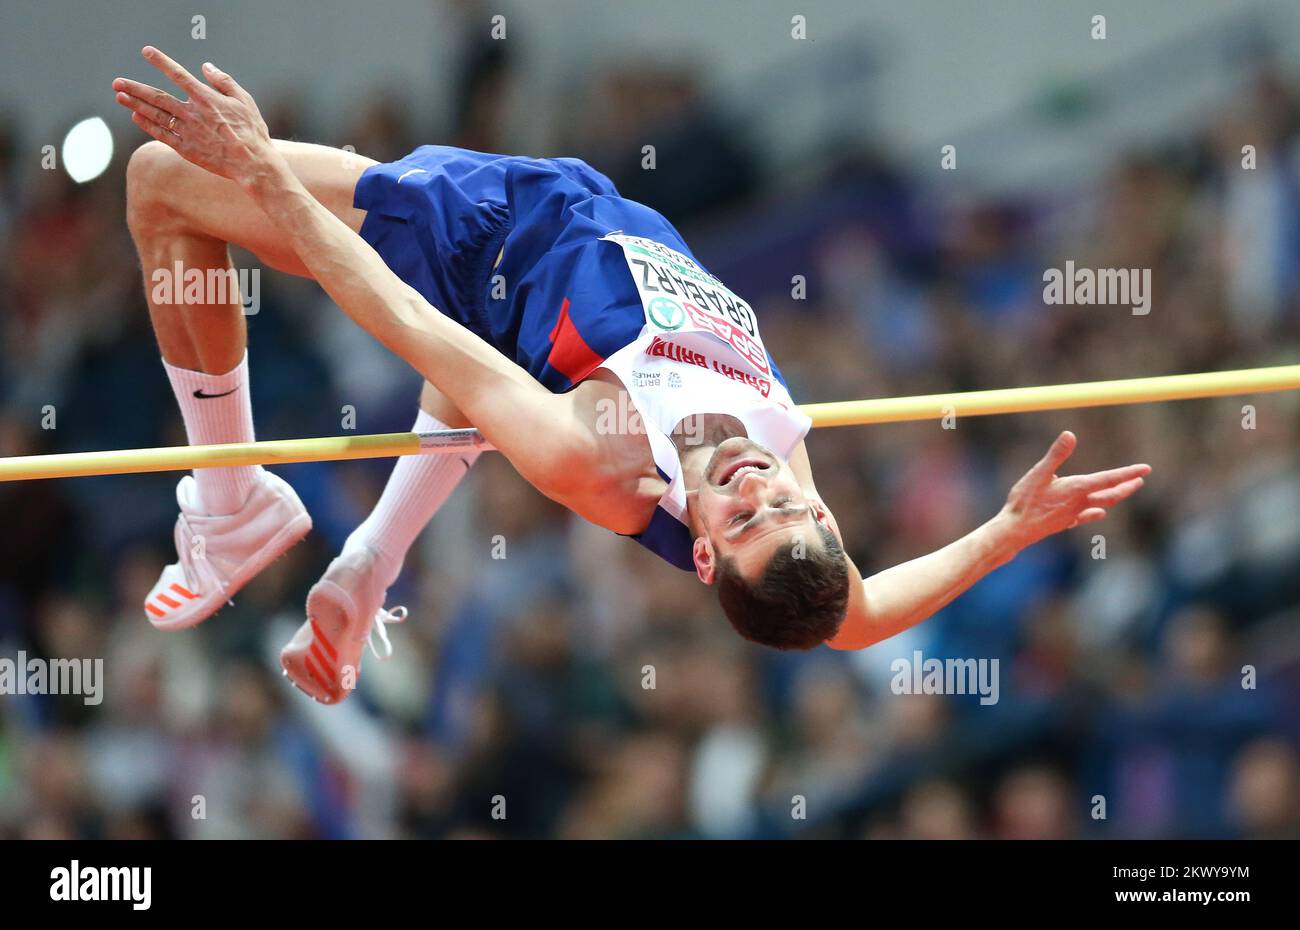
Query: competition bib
x,y
679,296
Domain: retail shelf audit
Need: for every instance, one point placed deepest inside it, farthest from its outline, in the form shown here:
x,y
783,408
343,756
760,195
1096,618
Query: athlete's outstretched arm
x,y
1039,505
220,129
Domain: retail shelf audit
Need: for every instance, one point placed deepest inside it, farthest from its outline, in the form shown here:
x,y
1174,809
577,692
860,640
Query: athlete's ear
x,y
822,514
702,552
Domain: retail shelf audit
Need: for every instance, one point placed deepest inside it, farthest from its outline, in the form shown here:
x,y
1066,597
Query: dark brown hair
x,y
798,602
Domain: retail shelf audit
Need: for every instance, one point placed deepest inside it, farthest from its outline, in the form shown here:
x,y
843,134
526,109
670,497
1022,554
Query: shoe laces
x,y
382,618
193,567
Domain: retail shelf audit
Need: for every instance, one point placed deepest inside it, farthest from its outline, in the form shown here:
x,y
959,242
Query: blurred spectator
x,y
1035,803
650,129
1265,791
481,81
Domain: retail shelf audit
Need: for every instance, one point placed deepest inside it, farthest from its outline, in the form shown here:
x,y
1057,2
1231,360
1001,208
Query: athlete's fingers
x,y
160,133
225,83
1091,515
1060,451
149,94
1109,497
179,76
147,110
1100,480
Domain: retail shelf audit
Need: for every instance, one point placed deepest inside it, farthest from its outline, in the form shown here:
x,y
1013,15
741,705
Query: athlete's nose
x,y
752,486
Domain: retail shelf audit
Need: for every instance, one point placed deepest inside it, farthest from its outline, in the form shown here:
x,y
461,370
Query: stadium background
x,y
522,677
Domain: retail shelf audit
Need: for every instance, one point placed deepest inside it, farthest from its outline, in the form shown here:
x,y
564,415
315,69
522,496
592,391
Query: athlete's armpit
x,y
606,476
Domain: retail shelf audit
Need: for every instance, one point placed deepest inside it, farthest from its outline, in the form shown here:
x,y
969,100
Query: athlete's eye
x,y
739,519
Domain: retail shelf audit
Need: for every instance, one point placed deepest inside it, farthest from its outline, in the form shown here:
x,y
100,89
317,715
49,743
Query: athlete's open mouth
x,y
741,467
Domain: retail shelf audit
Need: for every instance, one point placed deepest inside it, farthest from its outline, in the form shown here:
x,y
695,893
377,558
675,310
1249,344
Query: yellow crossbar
x,y
840,413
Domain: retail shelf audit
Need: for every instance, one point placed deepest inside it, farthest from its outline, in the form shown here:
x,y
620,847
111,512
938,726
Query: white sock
x,y
217,408
418,486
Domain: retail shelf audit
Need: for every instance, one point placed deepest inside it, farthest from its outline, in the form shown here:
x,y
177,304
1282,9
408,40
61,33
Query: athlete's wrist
x,y
267,174
1005,536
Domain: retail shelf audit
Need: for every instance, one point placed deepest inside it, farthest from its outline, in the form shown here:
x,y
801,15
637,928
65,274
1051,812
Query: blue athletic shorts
x,y
559,302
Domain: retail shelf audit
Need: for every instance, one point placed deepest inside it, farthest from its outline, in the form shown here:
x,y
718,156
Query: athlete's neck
x,y
697,437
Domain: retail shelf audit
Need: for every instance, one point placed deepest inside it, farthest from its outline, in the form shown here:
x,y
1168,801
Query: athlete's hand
x,y
218,128
1041,504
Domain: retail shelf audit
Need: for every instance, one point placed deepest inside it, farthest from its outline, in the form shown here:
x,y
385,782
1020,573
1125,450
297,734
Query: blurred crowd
x,y
578,687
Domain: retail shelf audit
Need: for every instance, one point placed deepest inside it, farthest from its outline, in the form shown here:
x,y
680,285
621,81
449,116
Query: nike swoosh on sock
x,y
199,393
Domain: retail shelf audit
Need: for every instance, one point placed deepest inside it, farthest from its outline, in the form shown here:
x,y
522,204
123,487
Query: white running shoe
x,y
345,611
220,554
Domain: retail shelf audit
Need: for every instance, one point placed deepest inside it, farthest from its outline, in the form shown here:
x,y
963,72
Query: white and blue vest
x,y
699,352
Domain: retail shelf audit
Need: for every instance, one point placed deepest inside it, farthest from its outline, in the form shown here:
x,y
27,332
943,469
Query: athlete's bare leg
x,y
178,212
181,213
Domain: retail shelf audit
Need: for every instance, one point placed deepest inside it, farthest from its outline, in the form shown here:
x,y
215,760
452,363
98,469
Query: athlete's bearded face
x,y
749,506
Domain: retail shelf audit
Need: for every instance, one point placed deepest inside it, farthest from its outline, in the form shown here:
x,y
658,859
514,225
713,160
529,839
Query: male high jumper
x,y
558,304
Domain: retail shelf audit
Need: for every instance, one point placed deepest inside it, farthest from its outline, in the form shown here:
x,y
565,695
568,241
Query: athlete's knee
x,y
438,406
149,199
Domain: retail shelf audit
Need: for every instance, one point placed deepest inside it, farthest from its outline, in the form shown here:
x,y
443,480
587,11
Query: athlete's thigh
x,y
220,208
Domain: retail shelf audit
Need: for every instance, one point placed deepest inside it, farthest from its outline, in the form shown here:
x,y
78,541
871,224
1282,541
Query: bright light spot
x,y
87,150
